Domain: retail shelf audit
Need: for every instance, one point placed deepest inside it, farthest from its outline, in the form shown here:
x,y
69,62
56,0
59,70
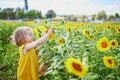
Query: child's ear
x,y
23,41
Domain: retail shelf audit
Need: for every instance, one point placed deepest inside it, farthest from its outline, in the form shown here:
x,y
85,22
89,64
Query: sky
x,y
67,7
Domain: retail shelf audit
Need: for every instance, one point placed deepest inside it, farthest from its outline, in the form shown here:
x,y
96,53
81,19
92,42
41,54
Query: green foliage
x,y
117,15
101,15
78,46
111,17
9,13
19,13
54,55
33,14
50,14
8,53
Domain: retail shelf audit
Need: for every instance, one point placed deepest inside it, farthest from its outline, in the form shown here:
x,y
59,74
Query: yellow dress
x,y
28,65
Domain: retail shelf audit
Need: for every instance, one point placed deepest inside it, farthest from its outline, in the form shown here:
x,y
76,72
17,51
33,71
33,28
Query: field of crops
x,y
75,51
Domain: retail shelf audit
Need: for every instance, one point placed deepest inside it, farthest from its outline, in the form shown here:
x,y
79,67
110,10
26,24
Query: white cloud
x,y
64,6
11,3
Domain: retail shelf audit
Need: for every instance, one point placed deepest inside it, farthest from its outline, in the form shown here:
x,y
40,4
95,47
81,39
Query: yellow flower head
x,y
76,67
108,26
117,26
43,28
109,62
61,41
75,28
103,44
114,43
52,36
82,25
91,37
118,30
86,32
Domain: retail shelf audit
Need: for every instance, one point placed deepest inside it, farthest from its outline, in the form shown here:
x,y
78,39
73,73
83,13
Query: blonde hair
x,y
18,36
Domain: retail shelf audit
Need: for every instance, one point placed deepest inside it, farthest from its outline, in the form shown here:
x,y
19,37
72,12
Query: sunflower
x,y
52,36
108,26
117,26
114,43
109,62
68,24
82,25
98,27
43,29
75,28
118,30
61,41
86,32
68,29
103,44
91,37
76,67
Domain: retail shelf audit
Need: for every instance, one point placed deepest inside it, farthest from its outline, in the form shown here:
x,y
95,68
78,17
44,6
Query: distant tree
x,y
3,15
117,15
33,14
50,14
39,14
101,15
10,14
110,17
19,13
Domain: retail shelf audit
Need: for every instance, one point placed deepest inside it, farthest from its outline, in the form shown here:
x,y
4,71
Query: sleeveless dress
x,y
28,65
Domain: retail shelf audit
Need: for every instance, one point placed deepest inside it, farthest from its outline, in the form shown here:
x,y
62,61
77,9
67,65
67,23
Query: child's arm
x,y
37,42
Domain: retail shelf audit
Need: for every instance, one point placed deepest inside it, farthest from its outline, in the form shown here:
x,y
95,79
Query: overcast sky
x,y
75,7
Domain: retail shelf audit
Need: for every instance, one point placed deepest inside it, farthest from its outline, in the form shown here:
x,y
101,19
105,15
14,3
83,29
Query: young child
x,y
28,66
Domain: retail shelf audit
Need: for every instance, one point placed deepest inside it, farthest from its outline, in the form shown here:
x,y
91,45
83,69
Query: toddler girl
x,y
28,65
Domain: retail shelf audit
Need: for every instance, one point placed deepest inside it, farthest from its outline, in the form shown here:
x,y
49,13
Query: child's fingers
x,y
42,70
49,29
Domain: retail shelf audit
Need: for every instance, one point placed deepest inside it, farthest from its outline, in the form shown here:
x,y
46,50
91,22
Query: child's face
x,y
29,35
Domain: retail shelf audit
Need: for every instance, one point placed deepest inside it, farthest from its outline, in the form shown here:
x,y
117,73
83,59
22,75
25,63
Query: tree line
x,y
102,15
18,13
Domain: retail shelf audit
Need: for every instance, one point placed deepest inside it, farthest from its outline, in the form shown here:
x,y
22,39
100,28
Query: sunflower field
x,y
74,51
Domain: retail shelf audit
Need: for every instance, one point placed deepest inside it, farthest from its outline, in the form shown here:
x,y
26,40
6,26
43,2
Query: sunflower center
x,y
113,43
77,66
104,44
109,61
119,30
108,26
91,37
86,32
61,41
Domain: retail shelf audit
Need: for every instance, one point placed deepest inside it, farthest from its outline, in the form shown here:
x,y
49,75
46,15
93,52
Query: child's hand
x,y
50,31
42,70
